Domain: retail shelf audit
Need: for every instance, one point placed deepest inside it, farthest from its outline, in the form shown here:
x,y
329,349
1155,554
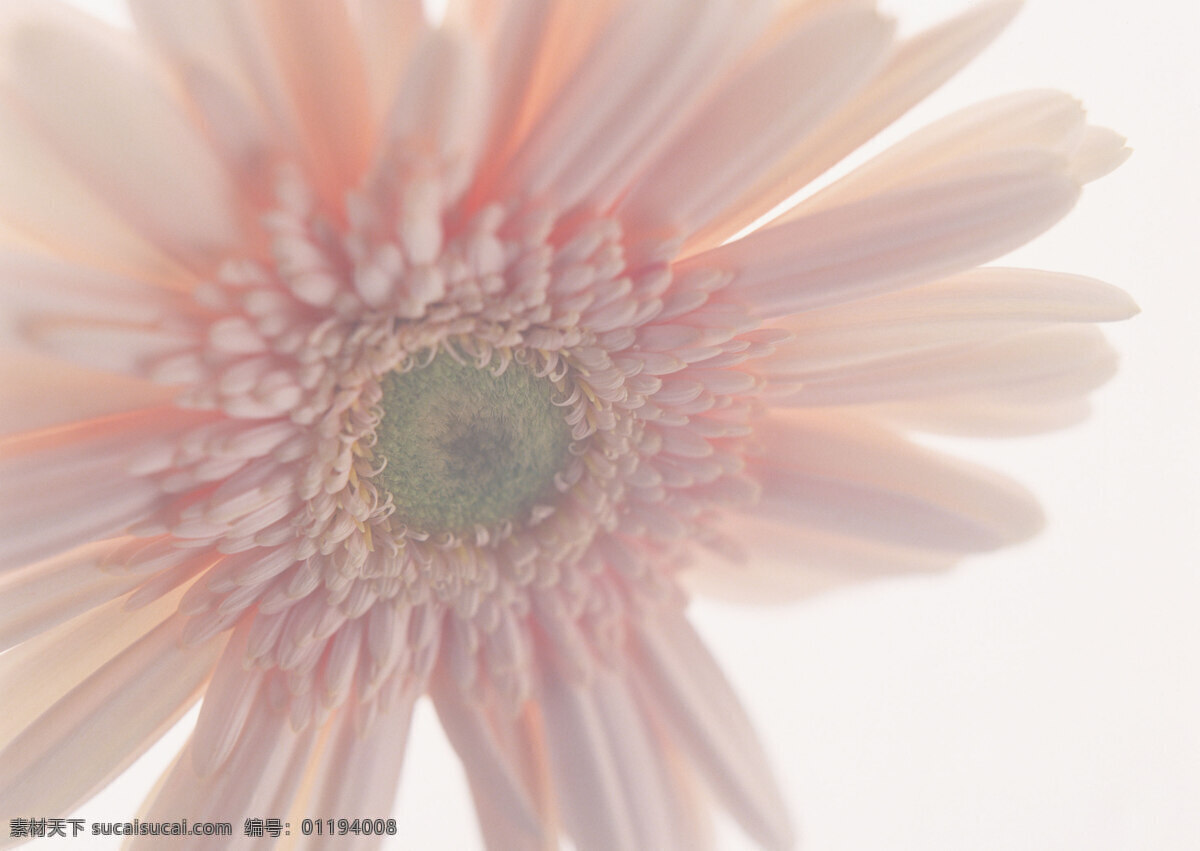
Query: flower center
x,y
466,447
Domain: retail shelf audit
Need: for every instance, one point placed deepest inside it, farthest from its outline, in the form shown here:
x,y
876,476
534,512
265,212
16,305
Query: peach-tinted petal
x,y
822,471
42,595
896,239
37,673
971,307
105,722
680,681
47,205
917,67
1047,364
647,46
259,777
756,116
102,105
37,392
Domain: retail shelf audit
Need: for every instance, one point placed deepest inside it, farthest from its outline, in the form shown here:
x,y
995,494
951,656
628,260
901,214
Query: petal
x,y
262,776
838,474
755,117
594,803
778,562
317,53
975,306
359,770
917,67
388,29
1037,120
678,681
440,108
896,239
977,415
106,722
37,392
488,765
1045,365
702,41
66,487
641,54
227,701
42,595
100,104
48,206
36,674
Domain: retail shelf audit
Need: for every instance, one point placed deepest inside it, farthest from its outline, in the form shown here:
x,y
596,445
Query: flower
x,y
364,359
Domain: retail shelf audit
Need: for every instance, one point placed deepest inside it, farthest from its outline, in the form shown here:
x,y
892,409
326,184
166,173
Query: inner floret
x,y
466,447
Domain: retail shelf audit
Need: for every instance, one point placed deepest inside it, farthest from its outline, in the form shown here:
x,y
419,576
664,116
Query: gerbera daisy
x,y
365,359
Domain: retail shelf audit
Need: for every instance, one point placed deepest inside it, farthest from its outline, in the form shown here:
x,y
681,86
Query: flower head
x,y
365,359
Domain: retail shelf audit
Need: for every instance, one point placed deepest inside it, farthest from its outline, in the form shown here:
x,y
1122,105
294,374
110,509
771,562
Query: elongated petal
x,y
101,103
82,473
896,239
106,722
587,779
39,392
318,56
359,770
917,67
755,117
681,684
975,306
468,730
1048,364
263,775
1037,120
842,475
777,561
42,595
39,672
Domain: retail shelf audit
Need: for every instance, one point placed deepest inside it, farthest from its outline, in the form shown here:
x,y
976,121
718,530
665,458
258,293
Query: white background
x,y
1046,697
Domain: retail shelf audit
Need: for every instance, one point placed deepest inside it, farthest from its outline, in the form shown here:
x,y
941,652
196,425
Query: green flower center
x,y
466,447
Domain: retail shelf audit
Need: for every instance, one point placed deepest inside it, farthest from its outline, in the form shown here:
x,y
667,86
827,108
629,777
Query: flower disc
x,y
467,447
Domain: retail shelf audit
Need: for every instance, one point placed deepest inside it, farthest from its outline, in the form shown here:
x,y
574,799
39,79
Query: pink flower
x,y
363,359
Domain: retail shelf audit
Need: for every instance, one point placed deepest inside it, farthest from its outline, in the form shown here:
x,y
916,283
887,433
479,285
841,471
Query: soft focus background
x,y
1046,697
